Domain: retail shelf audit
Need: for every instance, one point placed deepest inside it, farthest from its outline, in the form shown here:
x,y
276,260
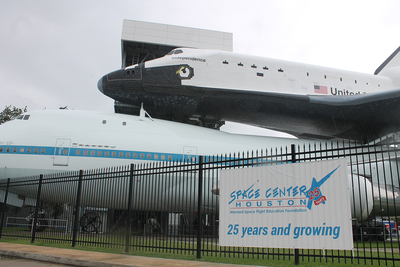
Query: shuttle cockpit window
x,y
175,51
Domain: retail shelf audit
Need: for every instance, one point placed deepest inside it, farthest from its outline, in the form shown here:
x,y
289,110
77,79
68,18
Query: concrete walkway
x,y
95,259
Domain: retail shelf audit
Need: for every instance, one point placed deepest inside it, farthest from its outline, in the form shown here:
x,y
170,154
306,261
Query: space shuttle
x,y
209,87
55,141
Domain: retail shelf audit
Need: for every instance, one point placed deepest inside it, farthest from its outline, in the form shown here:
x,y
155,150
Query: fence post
x,y
296,250
4,207
200,192
128,220
36,209
77,207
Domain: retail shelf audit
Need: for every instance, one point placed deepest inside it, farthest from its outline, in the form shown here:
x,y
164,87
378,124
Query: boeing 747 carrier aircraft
x,y
210,87
43,142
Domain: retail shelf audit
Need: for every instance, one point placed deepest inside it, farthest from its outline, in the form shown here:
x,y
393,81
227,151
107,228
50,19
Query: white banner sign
x,y
301,205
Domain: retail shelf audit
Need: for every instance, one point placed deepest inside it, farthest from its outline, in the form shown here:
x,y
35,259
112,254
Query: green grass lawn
x,y
230,255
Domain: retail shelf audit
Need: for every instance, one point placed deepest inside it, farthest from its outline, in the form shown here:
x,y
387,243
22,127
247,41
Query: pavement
x,y
96,259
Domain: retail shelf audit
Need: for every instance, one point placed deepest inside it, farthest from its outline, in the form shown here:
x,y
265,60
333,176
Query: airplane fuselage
x,y
54,141
46,142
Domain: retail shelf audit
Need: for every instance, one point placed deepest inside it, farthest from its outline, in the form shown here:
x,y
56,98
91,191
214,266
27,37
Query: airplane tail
x,y
392,61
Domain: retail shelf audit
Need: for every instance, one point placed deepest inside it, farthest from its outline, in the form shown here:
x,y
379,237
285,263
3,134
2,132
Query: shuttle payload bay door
x,y
61,152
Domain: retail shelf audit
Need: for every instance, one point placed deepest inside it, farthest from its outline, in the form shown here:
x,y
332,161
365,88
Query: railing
x,y
173,207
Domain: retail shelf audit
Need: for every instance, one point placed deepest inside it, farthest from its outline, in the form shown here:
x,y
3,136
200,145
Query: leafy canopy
x,y
10,112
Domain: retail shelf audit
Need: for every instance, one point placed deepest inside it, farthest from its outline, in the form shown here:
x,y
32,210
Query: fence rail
x,y
173,207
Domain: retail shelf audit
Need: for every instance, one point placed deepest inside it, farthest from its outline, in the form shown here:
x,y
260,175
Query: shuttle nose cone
x,y
100,85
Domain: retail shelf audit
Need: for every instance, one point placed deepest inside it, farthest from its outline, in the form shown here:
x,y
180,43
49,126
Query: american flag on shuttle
x,y
320,89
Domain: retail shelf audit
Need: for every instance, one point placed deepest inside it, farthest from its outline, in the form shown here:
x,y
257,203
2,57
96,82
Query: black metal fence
x,y
173,207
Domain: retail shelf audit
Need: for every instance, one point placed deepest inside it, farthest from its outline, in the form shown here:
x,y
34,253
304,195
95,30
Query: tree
x,y
10,112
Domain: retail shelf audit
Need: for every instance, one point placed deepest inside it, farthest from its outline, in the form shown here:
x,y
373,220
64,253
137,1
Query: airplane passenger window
x,y
35,150
128,155
148,156
141,155
106,154
21,150
1,149
124,123
92,153
99,153
169,157
28,150
65,151
135,155
104,122
162,157
113,154
15,149
155,156
120,154
42,150
78,152
85,152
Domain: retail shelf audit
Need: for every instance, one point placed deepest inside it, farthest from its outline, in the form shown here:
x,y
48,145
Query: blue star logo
x,y
314,193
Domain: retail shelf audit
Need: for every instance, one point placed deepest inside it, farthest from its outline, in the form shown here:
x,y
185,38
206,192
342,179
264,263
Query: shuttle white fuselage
x,y
304,100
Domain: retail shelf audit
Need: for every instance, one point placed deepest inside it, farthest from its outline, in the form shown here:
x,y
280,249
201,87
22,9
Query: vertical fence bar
x,y
296,250
128,220
4,208
77,207
199,214
37,208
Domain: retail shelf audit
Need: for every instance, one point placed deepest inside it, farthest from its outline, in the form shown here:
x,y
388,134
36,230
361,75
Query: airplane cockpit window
x,y
26,117
171,52
19,117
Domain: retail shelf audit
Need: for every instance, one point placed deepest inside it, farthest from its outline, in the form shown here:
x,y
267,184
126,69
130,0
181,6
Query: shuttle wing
x,y
368,116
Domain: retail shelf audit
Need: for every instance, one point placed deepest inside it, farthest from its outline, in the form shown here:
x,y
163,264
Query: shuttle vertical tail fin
x,y
392,61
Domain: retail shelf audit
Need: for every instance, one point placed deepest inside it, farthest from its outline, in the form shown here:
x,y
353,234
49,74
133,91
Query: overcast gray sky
x,y
52,53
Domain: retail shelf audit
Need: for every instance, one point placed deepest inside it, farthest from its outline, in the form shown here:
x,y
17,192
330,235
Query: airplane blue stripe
x,y
112,153
141,155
